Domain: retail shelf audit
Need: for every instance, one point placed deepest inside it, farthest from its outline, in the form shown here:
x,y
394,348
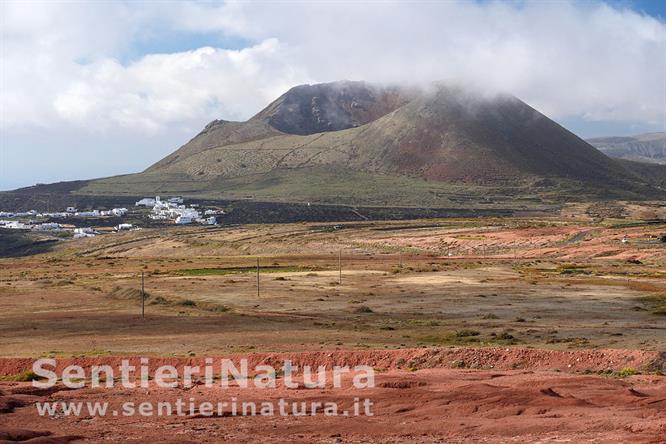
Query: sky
x,y
92,89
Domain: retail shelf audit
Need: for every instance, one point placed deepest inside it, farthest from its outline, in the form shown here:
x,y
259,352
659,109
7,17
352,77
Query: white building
x,y
48,226
183,220
119,212
60,215
147,202
93,213
122,227
15,225
86,230
26,214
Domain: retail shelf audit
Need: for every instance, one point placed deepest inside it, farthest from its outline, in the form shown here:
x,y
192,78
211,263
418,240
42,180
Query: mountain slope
x,y
310,109
351,142
305,109
643,148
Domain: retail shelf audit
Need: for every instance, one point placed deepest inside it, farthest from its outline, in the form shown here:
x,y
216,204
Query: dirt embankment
x,y
498,358
414,400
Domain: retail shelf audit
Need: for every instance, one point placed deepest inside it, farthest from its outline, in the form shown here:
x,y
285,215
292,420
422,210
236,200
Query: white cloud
x,y
61,67
568,58
165,89
64,65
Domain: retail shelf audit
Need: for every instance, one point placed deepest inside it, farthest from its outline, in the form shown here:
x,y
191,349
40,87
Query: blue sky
x,y
655,8
92,89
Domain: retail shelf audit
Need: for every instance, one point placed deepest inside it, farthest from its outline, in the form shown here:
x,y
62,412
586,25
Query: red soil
x,y
497,358
433,404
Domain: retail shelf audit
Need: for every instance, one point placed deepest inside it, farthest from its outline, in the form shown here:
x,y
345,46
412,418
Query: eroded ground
x,y
417,397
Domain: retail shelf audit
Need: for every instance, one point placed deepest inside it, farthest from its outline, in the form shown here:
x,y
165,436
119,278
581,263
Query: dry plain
x,y
570,301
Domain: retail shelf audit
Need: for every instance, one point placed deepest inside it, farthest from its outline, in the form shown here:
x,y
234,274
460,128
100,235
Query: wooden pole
x,y
257,277
143,298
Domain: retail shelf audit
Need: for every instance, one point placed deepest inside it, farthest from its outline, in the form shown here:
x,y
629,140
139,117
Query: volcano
x,y
387,145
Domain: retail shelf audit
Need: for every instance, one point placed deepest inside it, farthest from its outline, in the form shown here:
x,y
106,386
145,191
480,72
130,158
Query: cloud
x,y
567,58
166,89
73,68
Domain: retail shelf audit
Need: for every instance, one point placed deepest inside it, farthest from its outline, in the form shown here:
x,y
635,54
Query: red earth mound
x,y
498,358
416,398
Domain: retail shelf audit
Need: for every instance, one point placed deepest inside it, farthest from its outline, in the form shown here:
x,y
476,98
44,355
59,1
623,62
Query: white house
x,y
146,202
94,213
120,212
48,226
60,215
15,225
182,220
84,232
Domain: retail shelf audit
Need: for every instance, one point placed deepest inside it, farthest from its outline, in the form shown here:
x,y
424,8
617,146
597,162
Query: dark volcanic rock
x,y
310,109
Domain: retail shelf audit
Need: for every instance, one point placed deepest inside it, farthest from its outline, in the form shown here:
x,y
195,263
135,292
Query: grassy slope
x,y
653,172
423,153
19,243
320,184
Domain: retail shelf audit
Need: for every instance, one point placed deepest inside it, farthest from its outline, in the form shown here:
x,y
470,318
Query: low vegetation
x,y
656,302
236,270
25,376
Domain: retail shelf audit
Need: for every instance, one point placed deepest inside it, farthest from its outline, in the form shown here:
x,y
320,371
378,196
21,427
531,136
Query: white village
x,y
170,211
173,209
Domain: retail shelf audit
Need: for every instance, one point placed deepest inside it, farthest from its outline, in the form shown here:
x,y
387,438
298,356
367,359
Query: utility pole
x,y
257,277
143,298
340,265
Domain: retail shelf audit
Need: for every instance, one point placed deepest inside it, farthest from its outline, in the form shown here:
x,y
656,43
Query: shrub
x,y
159,300
627,371
25,376
364,309
504,336
660,310
467,333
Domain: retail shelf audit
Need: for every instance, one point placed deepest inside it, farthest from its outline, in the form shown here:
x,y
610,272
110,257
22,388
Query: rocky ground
x,y
514,395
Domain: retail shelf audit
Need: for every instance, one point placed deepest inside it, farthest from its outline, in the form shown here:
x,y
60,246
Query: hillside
x,y
16,243
353,143
303,110
649,147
